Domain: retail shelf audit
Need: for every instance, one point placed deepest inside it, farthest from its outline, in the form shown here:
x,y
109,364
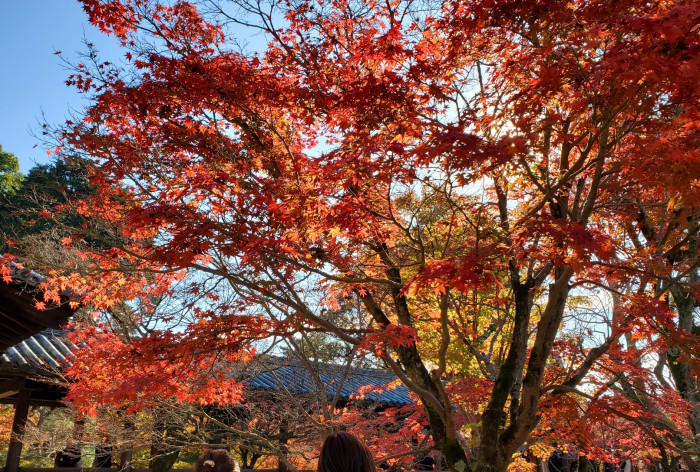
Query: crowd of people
x,y
340,452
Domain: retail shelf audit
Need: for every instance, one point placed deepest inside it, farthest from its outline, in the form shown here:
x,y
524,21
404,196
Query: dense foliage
x,y
38,213
501,198
10,176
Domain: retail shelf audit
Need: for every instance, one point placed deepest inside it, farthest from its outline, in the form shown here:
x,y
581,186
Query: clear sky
x,y
32,77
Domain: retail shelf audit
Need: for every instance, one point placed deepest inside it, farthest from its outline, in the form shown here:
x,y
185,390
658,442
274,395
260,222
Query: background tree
x,y
38,213
10,176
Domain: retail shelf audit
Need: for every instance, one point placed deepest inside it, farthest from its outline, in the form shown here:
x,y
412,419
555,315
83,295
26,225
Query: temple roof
x,y
46,352
19,317
36,364
277,374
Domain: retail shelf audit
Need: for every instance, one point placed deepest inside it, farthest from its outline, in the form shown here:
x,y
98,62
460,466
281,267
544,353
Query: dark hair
x,y
217,460
343,452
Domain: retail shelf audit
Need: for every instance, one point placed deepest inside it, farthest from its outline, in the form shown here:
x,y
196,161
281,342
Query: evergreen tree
x,y
10,176
28,213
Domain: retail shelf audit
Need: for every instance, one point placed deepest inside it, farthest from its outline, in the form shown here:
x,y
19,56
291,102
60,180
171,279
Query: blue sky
x,y
32,77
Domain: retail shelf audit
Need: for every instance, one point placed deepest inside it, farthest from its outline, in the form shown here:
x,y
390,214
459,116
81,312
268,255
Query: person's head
x,y
217,460
343,452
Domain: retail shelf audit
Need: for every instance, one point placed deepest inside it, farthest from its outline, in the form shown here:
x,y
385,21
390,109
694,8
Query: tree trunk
x,y
686,383
162,460
497,445
127,453
163,456
490,451
438,407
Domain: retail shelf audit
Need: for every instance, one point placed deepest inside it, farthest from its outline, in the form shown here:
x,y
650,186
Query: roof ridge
x,y
368,370
49,348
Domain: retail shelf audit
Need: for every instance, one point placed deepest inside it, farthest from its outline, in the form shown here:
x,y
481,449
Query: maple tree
x,y
462,172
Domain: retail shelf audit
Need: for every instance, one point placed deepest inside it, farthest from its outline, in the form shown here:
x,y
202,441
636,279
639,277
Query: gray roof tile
x,y
51,349
47,350
294,376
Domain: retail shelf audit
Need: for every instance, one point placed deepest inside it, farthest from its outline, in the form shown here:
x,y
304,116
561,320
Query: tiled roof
x,y
46,351
294,376
27,276
50,349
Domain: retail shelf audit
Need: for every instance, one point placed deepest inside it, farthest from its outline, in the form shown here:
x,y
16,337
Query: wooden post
x,y
284,438
127,454
14,452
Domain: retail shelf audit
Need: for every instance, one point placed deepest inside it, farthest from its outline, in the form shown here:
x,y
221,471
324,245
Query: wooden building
x,y
33,350
32,353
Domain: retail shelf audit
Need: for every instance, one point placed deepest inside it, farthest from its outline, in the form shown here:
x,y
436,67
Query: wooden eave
x,y
19,317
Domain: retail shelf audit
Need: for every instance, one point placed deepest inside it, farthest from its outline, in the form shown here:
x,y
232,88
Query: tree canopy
x,y
499,200
10,176
38,213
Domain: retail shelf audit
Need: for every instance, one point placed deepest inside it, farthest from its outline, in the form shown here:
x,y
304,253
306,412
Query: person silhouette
x,y
343,452
216,460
